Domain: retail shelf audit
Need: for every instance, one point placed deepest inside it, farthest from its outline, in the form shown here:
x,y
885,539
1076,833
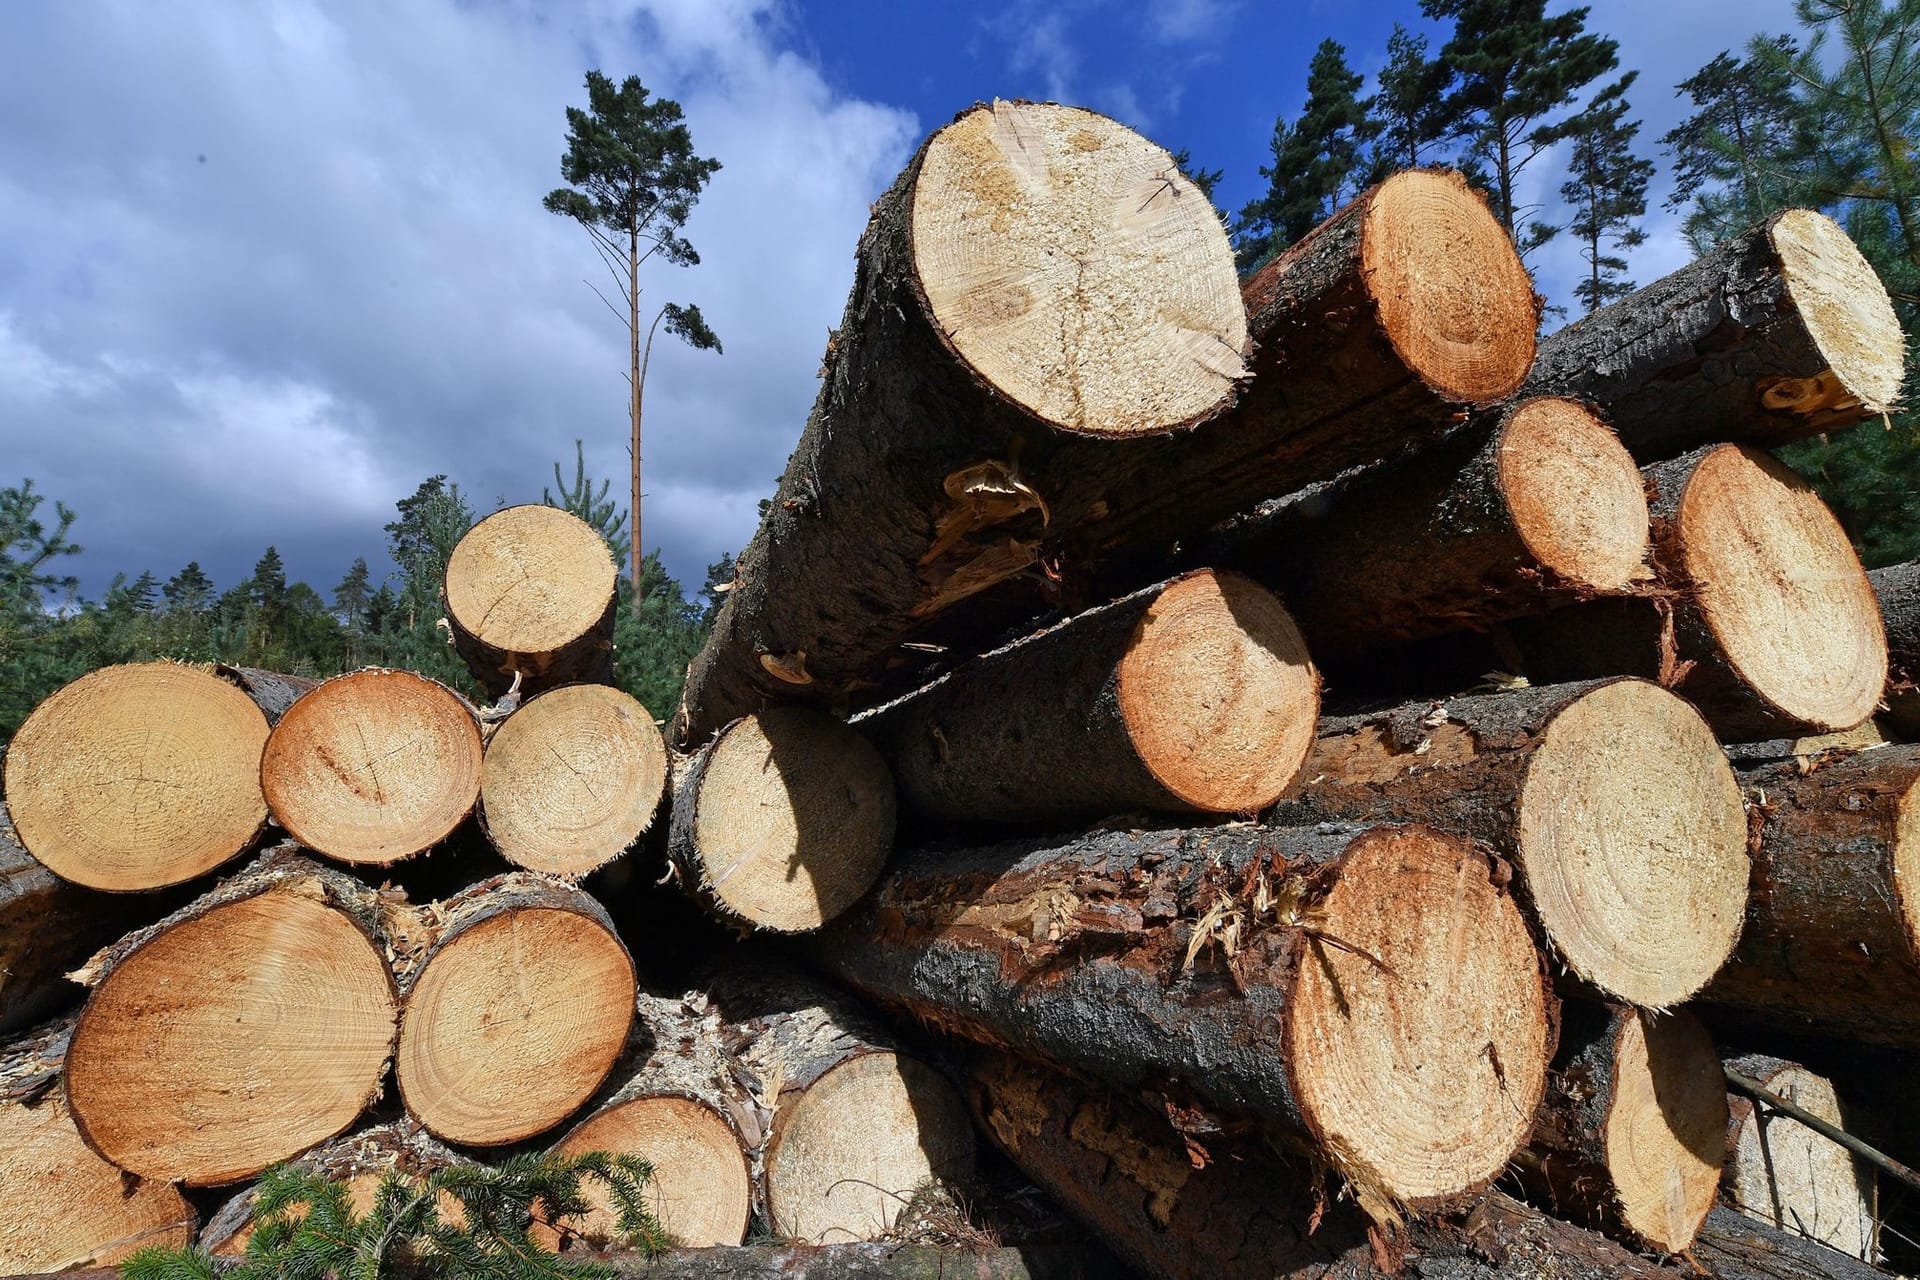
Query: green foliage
x,y
1203,178
1735,159
655,637
305,1227
1608,193
1315,159
26,548
1409,110
421,540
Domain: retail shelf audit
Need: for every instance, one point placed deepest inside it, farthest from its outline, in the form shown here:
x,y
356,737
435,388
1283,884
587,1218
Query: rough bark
x,y
1529,507
1834,914
271,691
1545,775
1782,1173
1193,694
1897,588
828,595
864,1261
527,974
1721,350
1735,1247
1238,964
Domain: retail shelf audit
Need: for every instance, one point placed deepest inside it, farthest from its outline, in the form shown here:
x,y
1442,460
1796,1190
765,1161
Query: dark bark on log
x,y
868,1262
1830,941
1733,1246
1897,587
1718,350
271,691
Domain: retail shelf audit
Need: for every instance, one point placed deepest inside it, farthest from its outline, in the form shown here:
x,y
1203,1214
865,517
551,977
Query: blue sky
x,y
264,267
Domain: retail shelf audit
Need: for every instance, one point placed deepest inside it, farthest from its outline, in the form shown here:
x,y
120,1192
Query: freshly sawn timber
x,y
1782,1173
1780,333
1613,800
1373,992
1195,694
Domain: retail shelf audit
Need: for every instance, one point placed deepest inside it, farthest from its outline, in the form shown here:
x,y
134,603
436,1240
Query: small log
x,y
1195,694
373,767
572,779
138,777
1733,1246
271,691
1633,1130
853,1126
516,1012
249,1025
1374,993
1777,334
1832,942
783,820
61,1205
1784,1174
1612,799
674,1103
530,596
1770,627
1897,588
1530,507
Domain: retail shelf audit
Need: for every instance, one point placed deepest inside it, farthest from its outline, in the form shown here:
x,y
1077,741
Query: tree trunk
x,y
1778,334
673,1101
1733,1246
1832,942
246,1027
1631,1136
1529,508
852,1127
1770,626
1374,993
1612,799
1784,1174
373,767
572,779
516,1013
1897,587
61,1205
529,593
782,821
1195,694
138,777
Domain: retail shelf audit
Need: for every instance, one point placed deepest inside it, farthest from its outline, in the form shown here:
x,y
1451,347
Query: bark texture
x,y
271,691
1897,587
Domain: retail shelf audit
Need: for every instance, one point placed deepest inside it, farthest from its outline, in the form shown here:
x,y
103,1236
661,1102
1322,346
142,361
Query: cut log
x,y
1784,1174
517,1012
239,1031
373,767
1771,627
783,820
1832,942
1530,507
1631,1136
572,779
883,1260
1612,799
61,1205
1375,992
1733,1246
530,595
1777,334
271,691
138,777
1196,694
1897,587
676,1105
853,1125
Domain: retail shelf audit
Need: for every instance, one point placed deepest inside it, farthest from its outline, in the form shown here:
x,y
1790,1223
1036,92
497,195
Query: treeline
x,y
50,634
1822,116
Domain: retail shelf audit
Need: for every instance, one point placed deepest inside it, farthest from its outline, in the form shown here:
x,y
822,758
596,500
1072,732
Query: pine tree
x,y
1736,158
144,594
596,508
189,591
1409,108
421,540
655,639
1315,159
26,548
350,597
1607,193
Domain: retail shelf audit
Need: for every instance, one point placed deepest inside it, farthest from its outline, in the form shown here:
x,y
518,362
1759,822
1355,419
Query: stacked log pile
x,y
1011,727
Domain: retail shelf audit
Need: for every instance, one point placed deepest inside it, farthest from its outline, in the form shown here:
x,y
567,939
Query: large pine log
x,y
1832,942
1374,993
1529,507
246,1027
138,777
1777,334
1782,1173
1194,694
1351,366
516,1013
782,821
572,779
1613,800
530,598
1631,1135
374,766
61,1205
674,1102
1769,625
852,1126
1897,587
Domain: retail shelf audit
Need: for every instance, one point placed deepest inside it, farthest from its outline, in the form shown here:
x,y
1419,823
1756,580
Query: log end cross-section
x,y
1786,1175
1663,1128
530,592
138,777
1847,313
1574,495
1074,269
701,1189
